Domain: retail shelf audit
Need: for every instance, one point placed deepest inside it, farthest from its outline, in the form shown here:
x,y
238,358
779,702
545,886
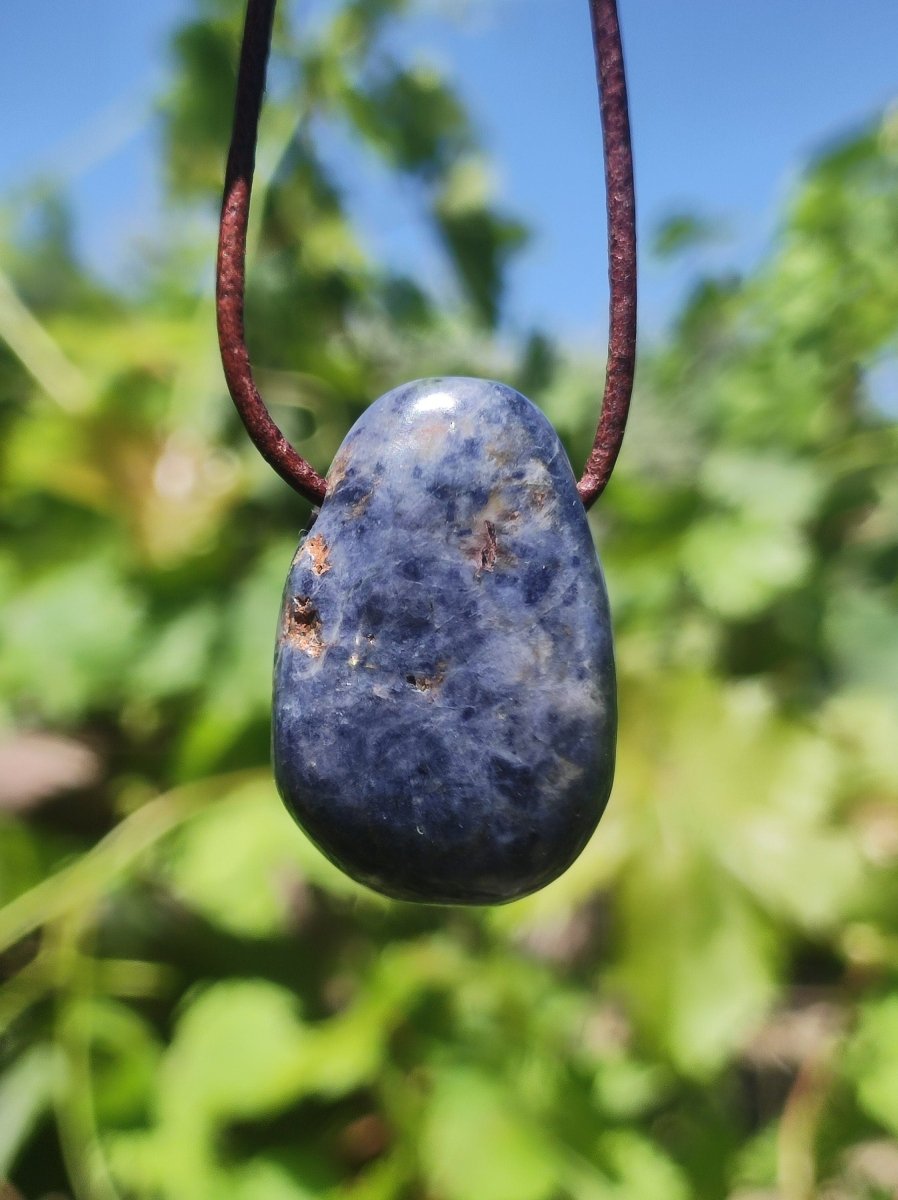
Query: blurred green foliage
x,y
193,1003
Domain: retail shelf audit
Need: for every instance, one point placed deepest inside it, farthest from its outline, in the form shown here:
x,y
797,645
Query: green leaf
x,y
240,862
21,862
477,1143
641,1171
700,963
738,565
238,689
68,639
770,488
26,1090
413,118
863,632
872,1064
479,240
266,1179
234,1055
125,1055
175,661
682,232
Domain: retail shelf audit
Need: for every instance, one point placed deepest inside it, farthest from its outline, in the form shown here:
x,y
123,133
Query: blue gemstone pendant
x,y
444,700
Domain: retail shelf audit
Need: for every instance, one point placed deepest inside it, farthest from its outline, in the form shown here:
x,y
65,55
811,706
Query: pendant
x,y
444,695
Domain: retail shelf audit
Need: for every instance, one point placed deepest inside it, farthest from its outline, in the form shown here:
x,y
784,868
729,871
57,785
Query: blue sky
x,y
728,98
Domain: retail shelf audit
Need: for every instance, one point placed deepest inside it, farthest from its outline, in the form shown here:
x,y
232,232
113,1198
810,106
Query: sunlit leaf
x,y
477,1142
872,1064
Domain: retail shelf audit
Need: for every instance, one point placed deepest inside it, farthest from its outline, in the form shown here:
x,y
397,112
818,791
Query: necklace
x,y
444,715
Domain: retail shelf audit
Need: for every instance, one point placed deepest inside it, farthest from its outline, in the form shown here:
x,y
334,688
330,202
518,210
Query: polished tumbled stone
x,y
444,713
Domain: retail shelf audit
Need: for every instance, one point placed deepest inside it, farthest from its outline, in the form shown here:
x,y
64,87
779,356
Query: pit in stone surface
x,y
303,626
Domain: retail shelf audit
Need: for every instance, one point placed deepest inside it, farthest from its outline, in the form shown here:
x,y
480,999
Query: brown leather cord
x,y
621,208
620,199
231,271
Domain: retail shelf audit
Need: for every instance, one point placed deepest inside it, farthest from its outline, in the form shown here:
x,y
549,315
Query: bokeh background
x,y
193,1004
